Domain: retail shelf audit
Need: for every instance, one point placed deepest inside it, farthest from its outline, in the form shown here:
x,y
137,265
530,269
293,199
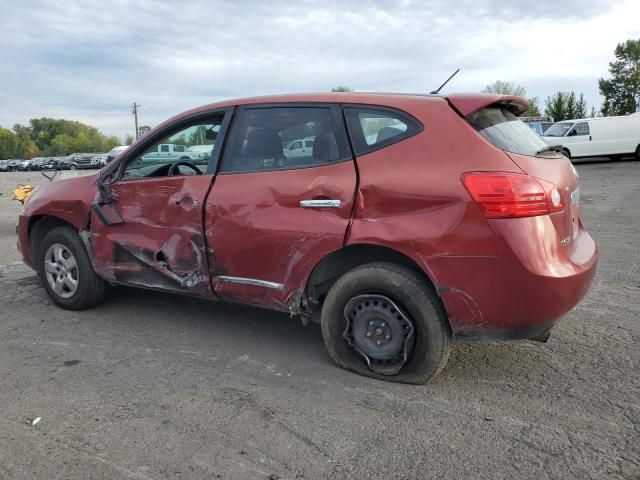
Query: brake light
x,y
512,195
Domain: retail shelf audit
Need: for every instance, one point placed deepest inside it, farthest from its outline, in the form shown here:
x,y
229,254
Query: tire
x,y
638,154
566,153
73,167
90,289
409,293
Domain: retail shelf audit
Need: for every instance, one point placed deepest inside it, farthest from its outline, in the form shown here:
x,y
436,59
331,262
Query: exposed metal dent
x,y
248,281
188,280
296,306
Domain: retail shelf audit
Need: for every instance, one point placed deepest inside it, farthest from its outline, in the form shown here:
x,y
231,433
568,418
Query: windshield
x,y
558,129
503,129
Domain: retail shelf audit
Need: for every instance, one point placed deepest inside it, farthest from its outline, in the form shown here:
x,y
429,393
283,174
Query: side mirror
x,y
212,134
572,133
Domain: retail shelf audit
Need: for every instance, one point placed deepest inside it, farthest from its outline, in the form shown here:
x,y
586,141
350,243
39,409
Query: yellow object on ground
x,y
22,192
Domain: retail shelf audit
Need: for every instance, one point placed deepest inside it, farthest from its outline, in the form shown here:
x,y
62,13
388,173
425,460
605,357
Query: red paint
x,y
255,228
494,276
162,233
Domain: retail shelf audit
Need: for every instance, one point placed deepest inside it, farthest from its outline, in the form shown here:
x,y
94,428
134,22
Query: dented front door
x,y
159,243
147,225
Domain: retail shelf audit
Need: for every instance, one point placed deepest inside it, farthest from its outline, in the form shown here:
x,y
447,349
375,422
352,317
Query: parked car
x,y
99,161
24,165
299,148
4,165
48,163
456,222
169,153
78,161
62,163
35,163
115,151
538,124
596,137
13,165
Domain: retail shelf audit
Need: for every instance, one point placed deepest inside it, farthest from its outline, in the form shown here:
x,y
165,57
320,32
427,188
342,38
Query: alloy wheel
x,y
61,270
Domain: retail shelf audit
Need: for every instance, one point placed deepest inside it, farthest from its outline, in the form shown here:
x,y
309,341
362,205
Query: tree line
x,y
51,137
621,92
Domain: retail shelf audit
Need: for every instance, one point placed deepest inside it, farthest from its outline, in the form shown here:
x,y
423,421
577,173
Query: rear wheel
x,y
638,153
383,321
566,153
66,271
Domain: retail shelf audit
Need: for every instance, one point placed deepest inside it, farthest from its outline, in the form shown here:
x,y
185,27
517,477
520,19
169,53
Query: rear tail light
x,y
511,195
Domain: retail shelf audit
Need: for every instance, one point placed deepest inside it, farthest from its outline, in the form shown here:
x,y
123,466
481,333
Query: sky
x,y
88,61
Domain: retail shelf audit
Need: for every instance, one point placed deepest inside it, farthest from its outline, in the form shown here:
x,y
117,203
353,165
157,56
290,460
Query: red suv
x,y
398,221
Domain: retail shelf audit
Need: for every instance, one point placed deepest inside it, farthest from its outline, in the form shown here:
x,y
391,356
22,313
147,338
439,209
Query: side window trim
x,y
337,122
356,135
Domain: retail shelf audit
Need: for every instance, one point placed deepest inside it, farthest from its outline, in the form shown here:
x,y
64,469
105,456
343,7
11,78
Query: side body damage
x,y
159,242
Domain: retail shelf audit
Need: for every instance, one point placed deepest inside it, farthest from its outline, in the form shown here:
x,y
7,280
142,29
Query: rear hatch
x,y
494,117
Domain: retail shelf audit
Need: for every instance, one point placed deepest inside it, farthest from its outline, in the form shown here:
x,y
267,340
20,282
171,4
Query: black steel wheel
x,y
379,331
385,321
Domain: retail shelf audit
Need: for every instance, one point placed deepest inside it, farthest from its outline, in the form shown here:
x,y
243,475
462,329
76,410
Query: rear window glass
x,y
373,128
503,129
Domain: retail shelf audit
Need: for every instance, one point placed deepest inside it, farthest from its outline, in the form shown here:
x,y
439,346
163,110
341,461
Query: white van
x,y
596,137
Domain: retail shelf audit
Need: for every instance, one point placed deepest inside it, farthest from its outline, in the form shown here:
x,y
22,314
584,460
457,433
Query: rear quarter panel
x,y
411,198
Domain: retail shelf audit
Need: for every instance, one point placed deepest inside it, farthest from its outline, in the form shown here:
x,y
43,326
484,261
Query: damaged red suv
x,y
399,221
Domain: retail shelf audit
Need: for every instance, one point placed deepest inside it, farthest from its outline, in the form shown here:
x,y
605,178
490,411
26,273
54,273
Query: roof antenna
x,y
435,92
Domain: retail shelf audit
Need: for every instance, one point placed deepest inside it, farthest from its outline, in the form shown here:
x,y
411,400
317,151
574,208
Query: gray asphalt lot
x,y
150,385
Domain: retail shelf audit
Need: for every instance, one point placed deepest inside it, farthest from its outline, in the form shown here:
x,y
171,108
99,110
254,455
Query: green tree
x,y
508,88
128,140
8,144
50,136
565,106
341,88
505,88
534,108
622,91
556,106
581,107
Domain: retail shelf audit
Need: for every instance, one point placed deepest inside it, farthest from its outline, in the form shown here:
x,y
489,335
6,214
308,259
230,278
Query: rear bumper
x,y
521,293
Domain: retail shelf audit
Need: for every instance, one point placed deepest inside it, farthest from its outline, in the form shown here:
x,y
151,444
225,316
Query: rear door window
x,y
503,129
373,128
274,138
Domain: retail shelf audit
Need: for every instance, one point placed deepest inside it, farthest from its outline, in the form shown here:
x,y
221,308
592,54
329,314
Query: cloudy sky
x,y
88,61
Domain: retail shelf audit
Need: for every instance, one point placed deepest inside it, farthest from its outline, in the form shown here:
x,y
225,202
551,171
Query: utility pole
x,y
134,110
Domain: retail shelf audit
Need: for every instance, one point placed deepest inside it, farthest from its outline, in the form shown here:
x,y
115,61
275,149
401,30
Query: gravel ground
x,y
150,385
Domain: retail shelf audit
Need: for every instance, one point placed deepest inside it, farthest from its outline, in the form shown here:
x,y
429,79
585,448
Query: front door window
x,y
191,146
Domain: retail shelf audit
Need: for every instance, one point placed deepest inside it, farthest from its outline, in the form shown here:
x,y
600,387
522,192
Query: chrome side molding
x,y
249,281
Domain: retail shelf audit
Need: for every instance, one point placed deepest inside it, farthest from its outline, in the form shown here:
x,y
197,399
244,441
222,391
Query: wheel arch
x,y
39,225
337,263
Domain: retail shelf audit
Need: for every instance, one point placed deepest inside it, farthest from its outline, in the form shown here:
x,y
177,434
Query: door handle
x,y
324,203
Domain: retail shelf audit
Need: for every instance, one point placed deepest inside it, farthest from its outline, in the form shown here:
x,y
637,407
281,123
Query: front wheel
x,y
384,321
638,153
66,271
